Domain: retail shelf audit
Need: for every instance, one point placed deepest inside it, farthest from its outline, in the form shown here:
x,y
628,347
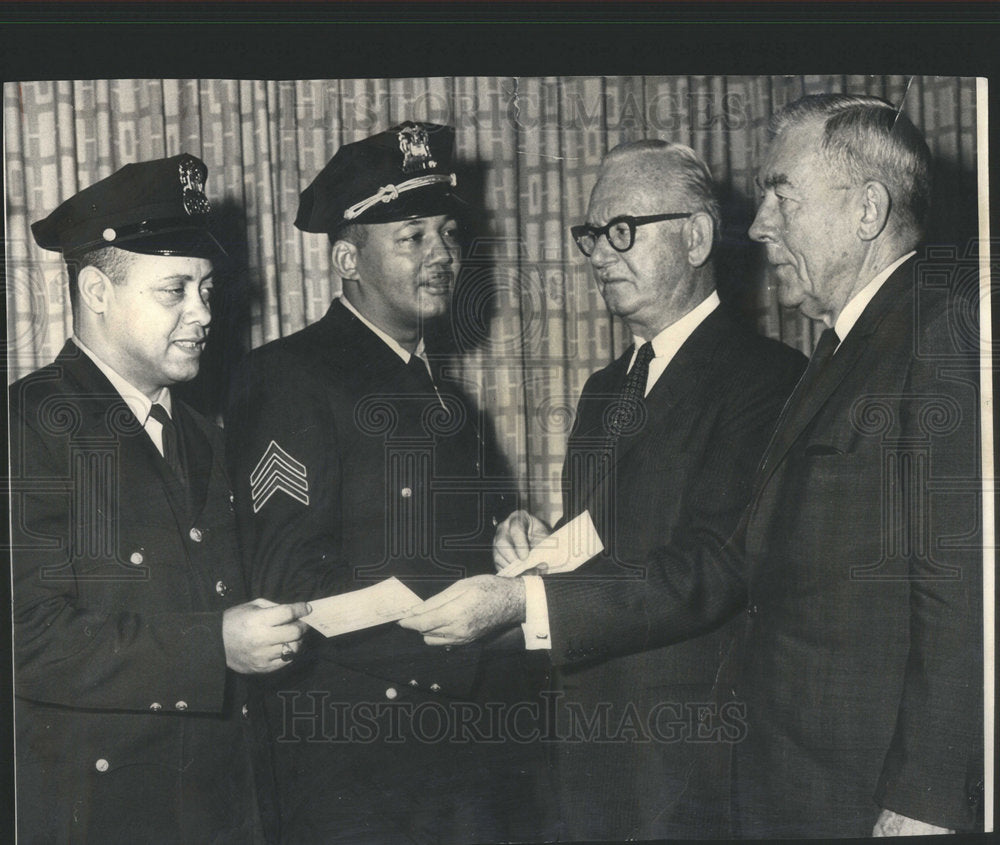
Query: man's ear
x,y
877,204
344,256
698,238
94,288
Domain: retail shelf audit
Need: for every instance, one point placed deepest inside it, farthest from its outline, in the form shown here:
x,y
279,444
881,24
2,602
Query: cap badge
x,y
415,146
192,179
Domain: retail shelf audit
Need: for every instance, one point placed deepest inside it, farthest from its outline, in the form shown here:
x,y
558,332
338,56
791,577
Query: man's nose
x,y
603,254
197,310
442,251
762,228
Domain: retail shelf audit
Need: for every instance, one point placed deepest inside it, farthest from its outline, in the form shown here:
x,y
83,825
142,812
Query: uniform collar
x,y
139,404
389,341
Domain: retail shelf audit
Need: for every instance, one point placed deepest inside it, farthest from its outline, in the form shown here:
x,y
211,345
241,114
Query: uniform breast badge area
x,y
277,471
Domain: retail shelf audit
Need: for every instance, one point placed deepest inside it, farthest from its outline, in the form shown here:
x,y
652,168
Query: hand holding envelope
x,y
468,609
383,602
475,607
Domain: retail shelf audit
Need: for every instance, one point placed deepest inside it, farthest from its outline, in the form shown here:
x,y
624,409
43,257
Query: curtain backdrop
x,y
528,325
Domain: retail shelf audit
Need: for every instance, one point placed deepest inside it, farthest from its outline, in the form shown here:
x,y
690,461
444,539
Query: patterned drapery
x,y
528,324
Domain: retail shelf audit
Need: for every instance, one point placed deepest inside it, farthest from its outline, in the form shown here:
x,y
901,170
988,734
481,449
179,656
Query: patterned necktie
x,y
625,415
171,453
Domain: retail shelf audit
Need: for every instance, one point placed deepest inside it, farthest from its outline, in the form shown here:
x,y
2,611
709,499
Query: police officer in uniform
x,y
132,625
355,460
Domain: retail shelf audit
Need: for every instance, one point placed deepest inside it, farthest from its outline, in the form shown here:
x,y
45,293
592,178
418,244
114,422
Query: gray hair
x,y
864,138
687,171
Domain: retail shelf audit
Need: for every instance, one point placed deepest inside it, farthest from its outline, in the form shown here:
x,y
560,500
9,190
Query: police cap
x,y
401,173
151,207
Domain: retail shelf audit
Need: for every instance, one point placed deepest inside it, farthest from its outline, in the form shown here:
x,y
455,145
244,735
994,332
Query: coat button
x,y
181,705
245,711
406,492
435,687
101,765
221,588
156,707
413,683
136,558
195,534
391,693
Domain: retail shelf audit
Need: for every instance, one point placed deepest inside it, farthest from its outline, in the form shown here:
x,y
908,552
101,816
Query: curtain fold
x,y
529,325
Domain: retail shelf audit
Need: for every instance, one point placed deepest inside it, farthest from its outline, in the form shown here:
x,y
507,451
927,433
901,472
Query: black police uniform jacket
x,y
858,665
129,725
347,471
687,466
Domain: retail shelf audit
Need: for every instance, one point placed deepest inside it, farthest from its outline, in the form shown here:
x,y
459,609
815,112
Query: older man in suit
x,y
710,391
132,628
858,560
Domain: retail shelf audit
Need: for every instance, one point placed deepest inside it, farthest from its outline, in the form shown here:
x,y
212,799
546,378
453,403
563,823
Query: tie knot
x,y
645,355
159,413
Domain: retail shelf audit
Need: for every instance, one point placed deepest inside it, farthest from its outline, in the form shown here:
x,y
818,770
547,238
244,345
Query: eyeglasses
x,y
619,231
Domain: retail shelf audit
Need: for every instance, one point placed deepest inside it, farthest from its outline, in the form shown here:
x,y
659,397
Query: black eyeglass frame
x,y
585,229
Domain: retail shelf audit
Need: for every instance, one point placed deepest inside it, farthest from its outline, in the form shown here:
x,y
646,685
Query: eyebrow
x,y
184,277
774,180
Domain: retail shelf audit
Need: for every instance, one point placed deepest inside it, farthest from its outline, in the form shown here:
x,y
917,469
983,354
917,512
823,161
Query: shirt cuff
x,y
536,614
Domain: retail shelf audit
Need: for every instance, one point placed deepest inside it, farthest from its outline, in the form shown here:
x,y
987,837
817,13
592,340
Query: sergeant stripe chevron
x,y
277,470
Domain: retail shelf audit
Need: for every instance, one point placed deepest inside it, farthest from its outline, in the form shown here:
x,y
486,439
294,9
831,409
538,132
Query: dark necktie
x,y
418,367
625,414
828,342
171,453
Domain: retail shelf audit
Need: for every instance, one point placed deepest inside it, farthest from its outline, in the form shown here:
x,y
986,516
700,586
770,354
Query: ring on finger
x,y
286,652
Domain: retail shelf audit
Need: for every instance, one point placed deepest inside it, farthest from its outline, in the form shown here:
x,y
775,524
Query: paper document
x,y
383,602
563,550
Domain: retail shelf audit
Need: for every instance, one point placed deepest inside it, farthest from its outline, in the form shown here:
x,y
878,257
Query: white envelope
x,y
383,602
563,550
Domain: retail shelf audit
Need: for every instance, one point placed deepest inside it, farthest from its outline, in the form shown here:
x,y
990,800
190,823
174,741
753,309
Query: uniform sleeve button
x,y
435,687
195,534
391,693
221,588
101,765
413,682
245,711
156,707
181,705
136,558
406,492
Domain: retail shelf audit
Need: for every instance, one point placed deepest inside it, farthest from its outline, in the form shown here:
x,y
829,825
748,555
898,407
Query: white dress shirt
x,y
856,304
139,404
665,347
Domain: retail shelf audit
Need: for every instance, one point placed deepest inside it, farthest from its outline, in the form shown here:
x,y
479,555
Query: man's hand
x,y
468,610
517,535
261,636
893,824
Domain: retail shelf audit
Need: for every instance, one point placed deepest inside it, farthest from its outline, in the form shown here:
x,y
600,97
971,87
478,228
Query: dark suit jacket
x,y
397,486
129,725
707,421
858,562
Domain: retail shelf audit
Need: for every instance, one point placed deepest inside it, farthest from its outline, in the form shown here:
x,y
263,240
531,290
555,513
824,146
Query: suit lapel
x,y
680,379
846,358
